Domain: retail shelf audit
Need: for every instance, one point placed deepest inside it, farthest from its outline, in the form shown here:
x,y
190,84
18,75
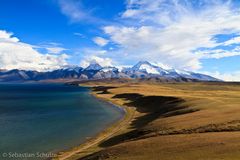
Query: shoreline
x,y
108,132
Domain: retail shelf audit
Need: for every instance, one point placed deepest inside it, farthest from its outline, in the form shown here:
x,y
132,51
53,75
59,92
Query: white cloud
x,y
153,44
15,54
79,34
100,41
92,51
235,40
172,31
233,76
55,50
77,12
104,62
218,53
51,47
73,9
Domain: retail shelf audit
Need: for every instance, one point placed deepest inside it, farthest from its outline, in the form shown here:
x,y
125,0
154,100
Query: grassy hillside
x,y
173,121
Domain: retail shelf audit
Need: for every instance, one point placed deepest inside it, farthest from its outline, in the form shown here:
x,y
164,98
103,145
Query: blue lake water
x,y
47,118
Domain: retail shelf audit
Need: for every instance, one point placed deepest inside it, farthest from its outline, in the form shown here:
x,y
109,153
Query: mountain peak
x,y
142,69
143,62
140,63
94,66
148,68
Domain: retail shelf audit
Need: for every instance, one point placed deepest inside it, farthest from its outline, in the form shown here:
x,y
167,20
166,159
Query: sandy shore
x,y
91,145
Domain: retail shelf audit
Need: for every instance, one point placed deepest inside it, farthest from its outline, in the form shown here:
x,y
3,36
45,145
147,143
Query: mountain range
x,y
142,70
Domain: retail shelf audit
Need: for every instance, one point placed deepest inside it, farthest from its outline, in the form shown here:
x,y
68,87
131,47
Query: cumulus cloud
x,y
15,54
150,43
172,32
100,41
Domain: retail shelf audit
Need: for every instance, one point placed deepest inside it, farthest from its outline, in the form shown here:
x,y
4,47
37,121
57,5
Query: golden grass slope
x,y
174,121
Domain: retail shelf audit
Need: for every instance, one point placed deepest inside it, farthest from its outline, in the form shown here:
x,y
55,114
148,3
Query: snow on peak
x,y
94,66
138,65
149,69
108,69
181,72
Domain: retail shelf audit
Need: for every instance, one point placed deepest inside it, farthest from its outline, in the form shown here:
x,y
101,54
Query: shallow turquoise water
x,y
43,118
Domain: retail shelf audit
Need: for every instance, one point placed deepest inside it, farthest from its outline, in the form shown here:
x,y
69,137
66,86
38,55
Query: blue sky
x,y
197,35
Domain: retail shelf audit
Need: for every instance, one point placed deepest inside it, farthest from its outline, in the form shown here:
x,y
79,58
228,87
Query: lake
x,y
48,118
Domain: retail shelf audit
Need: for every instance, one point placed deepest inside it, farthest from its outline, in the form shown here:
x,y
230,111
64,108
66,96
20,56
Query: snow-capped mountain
x,y
93,66
145,67
148,68
142,69
73,68
109,69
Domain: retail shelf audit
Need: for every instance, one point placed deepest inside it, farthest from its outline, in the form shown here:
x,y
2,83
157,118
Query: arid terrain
x,y
169,121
